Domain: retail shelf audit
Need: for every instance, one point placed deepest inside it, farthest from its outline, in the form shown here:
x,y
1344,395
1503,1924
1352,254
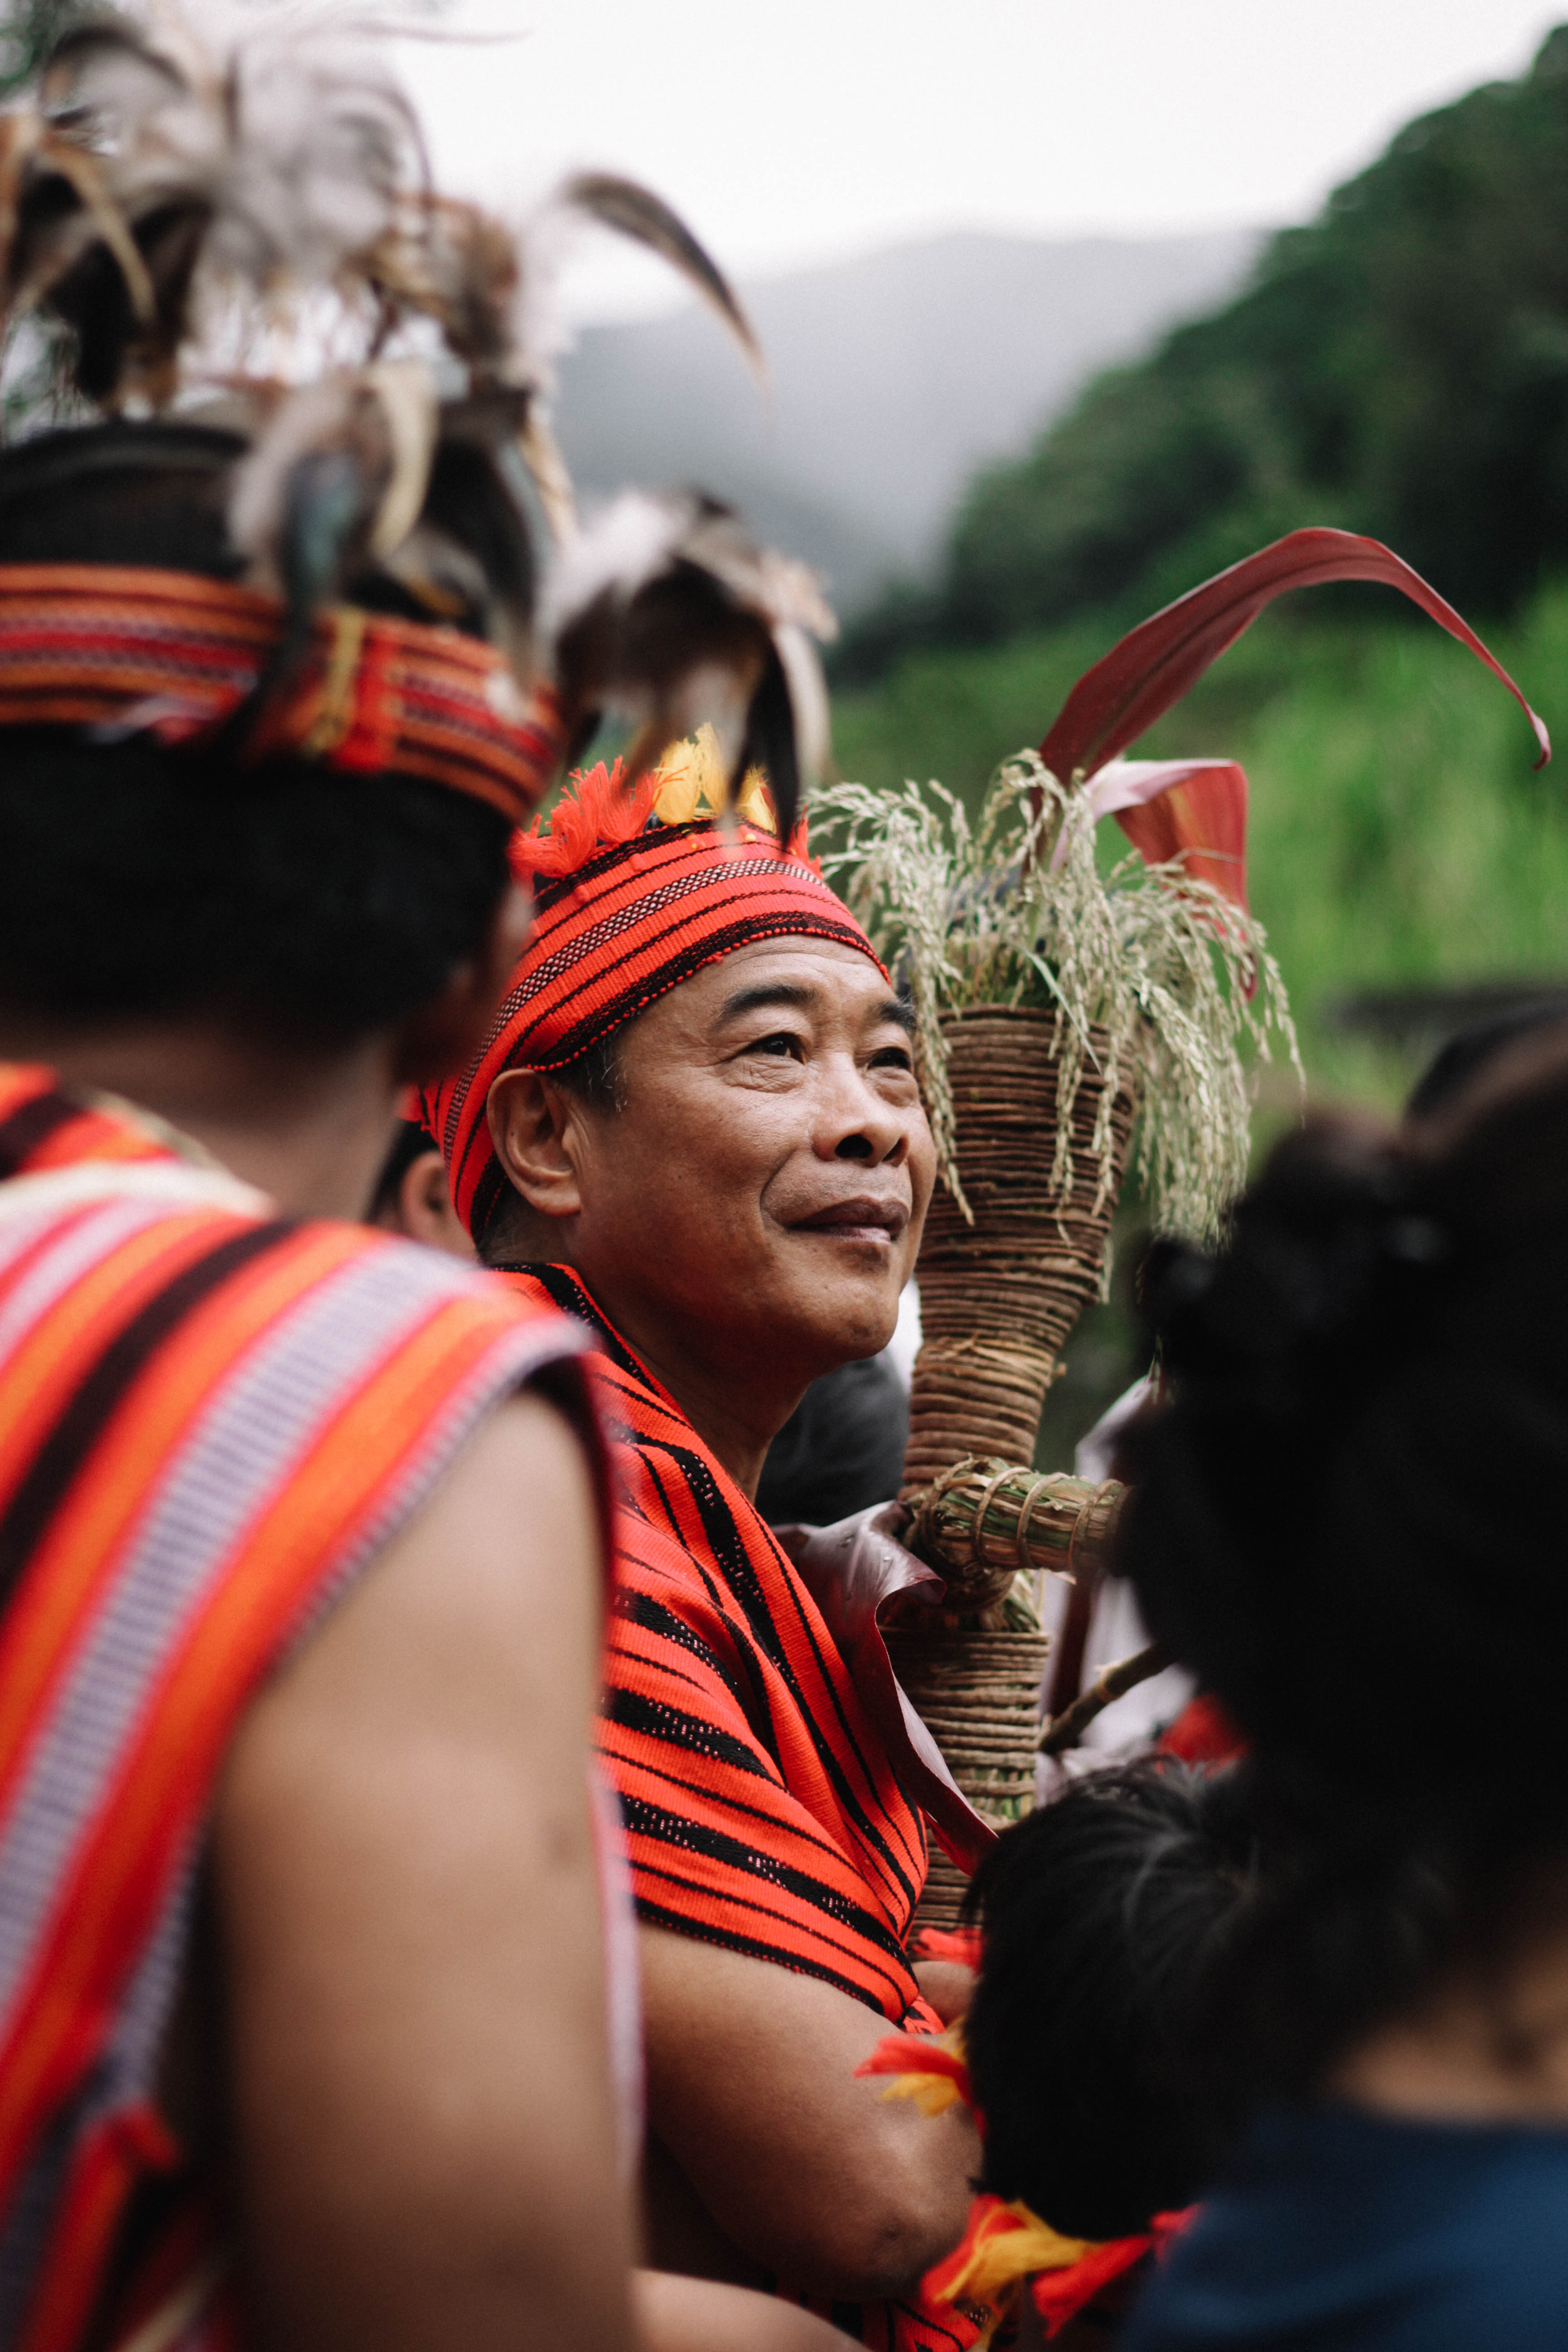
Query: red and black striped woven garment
x,y
212,1419
761,1811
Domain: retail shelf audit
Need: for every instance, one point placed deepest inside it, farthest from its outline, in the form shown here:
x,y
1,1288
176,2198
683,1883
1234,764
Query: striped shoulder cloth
x,y
763,1812
212,1418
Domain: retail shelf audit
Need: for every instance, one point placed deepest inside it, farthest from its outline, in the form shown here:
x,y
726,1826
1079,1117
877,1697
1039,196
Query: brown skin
x,y
1484,2046
948,1984
748,1221
751,1216
411,2069
404,1871
800,2167
421,1210
690,2314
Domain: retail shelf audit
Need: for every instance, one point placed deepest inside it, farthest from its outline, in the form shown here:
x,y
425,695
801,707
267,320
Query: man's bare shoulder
x,y
484,1599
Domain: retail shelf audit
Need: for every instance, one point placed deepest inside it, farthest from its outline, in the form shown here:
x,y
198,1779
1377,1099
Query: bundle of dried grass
x,y
1153,980
984,1522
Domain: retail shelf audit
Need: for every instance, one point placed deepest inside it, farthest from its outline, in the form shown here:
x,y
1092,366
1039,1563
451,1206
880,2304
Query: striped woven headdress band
x,y
129,649
639,907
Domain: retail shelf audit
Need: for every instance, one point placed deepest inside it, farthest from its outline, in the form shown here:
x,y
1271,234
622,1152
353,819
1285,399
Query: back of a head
x,y
139,878
1104,1915
1348,1521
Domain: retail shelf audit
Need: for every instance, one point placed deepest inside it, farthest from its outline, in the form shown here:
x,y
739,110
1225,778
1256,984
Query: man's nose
x,y
855,1122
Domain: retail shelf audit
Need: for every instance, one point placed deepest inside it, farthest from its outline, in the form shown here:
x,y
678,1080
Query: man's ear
x,y
443,1036
426,1211
535,1134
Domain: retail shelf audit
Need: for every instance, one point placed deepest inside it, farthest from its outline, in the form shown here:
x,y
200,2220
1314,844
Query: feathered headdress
x,y
247,235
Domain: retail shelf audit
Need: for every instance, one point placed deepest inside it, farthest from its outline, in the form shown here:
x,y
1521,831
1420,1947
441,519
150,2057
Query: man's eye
x,y
893,1057
783,1045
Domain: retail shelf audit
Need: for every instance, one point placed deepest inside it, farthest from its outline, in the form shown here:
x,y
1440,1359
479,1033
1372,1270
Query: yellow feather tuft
x,y
692,784
932,2093
996,2263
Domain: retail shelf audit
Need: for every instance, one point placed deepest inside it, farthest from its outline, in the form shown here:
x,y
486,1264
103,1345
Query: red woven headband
x,y
170,654
637,917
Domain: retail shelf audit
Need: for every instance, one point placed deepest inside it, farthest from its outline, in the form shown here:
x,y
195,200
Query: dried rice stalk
x,y
1013,911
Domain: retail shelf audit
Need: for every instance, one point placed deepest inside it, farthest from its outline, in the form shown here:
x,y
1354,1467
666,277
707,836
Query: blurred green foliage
x,y
28,29
1400,367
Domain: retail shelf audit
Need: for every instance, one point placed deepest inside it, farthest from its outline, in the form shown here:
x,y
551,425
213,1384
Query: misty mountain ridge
x,y
893,379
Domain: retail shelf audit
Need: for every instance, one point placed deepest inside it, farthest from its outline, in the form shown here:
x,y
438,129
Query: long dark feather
x,y
770,744
634,212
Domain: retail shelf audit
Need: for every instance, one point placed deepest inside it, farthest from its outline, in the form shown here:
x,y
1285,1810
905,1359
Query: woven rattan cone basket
x,y
979,1695
997,1300
998,1297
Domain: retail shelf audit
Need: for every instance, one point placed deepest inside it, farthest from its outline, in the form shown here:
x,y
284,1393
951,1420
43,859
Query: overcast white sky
x,y
794,132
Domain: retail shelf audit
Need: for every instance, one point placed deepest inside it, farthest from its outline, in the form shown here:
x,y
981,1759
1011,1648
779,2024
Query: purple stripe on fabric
x,y
87,1236
255,1427
285,1387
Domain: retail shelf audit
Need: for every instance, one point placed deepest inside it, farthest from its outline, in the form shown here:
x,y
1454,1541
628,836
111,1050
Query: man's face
x,y
763,1187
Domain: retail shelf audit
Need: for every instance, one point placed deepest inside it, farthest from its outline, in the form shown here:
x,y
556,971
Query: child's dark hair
x,y
1103,1915
1349,1522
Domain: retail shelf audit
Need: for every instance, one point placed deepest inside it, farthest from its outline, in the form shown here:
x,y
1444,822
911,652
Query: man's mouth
x,y
861,1220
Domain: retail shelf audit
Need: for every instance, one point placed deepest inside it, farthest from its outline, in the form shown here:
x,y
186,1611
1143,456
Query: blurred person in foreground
x,y
1348,1521
696,1126
304,1963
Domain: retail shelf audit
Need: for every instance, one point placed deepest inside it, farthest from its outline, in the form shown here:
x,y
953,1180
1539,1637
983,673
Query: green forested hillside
x,y
1400,366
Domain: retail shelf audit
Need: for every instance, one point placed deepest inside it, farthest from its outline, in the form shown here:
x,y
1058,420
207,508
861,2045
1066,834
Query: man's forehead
x,y
811,974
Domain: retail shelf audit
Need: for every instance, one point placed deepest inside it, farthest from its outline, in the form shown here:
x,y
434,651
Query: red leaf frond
x,y
1153,665
1202,820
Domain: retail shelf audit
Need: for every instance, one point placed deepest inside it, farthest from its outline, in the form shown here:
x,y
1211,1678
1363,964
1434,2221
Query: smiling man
x,y
697,1126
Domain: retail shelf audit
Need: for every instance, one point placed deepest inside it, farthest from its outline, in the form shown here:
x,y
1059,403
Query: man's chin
x,y
854,1320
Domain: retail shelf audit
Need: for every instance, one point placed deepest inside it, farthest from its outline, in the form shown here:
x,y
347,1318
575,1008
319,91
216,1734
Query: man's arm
x,y
809,2170
948,1984
689,2314
407,1903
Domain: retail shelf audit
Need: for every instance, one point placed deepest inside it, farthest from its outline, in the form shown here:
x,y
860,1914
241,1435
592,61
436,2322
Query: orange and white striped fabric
x,y
212,1419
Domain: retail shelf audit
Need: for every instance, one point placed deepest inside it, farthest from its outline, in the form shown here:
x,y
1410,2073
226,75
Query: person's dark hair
x,y
296,901
598,1076
841,1449
1461,1057
1349,1522
1103,1915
